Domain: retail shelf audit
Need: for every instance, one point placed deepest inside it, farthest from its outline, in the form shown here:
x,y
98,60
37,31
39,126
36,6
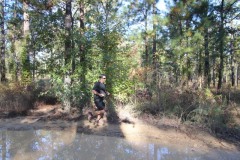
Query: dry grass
x,y
15,98
219,112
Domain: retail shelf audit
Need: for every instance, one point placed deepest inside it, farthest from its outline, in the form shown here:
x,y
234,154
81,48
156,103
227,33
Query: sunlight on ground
x,y
29,120
143,132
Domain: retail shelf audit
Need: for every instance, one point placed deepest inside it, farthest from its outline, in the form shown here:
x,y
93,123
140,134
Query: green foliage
x,y
74,92
208,95
12,62
26,67
109,44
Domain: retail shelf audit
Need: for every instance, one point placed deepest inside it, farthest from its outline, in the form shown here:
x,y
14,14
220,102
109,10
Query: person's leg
x,y
91,112
90,116
100,111
100,114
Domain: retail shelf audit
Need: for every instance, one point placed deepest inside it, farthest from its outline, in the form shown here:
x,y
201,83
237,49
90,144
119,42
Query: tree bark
x,y
25,57
68,28
67,55
237,74
81,45
214,72
145,35
2,65
25,18
154,49
206,60
232,60
16,71
221,47
200,75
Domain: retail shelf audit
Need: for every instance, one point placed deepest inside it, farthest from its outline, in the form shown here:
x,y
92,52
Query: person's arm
x,y
94,90
96,93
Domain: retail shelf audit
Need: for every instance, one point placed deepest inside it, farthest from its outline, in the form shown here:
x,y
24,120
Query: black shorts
x,y
99,104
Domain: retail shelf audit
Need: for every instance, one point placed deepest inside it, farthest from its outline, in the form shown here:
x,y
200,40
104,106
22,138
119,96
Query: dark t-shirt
x,y
100,88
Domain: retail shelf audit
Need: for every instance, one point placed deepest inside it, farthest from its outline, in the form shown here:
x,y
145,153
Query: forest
x,y
181,62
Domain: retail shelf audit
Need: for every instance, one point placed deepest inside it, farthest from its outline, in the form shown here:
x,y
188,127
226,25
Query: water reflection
x,y
66,144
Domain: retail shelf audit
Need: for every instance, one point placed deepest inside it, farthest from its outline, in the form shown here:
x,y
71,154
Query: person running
x,y
99,91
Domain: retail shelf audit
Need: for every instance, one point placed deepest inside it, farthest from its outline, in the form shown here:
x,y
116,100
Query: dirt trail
x,y
129,127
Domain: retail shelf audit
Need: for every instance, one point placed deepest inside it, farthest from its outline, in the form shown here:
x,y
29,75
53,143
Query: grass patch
x,y
218,112
15,98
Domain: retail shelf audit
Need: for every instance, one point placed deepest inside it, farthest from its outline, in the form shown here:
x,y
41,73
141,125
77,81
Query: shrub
x,y
199,107
15,98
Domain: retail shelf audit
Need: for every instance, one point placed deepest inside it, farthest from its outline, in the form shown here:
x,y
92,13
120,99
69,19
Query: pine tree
x,y
2,47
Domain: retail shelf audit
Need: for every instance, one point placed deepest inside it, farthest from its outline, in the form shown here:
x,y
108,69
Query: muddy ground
x,y
167,131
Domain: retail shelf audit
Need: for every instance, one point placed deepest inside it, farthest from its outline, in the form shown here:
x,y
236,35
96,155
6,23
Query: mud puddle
x,y
22,139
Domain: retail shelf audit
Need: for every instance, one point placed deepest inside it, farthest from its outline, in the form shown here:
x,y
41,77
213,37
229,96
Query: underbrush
x,y
15,98
218,112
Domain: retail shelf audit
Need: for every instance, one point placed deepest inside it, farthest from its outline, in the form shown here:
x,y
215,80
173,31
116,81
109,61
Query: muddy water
x,y
71,145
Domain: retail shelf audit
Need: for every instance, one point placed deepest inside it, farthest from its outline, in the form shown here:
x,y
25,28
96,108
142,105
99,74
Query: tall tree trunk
x,y
82,14
206,60
16,64
200,77
25,57
25,18
237,74
214,65
68,28
34,65
145,35
188,55
154,49
221,47
67,55
81,45
2,63
214,72
232,60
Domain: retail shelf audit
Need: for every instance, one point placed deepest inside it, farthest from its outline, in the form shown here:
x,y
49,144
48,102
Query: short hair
x,y
102,75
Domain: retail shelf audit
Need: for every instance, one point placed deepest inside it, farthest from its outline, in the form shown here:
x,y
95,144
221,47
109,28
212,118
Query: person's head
x,y
102,78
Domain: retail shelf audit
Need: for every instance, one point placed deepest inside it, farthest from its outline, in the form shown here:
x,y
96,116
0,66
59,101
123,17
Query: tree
x,y
224,10
203,15
154,47
25,53
206,22
181,31
81,45
221,45
2,54
13,25
68,54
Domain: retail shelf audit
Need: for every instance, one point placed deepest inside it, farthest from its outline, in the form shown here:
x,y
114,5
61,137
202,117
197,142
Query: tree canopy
x,y
137,45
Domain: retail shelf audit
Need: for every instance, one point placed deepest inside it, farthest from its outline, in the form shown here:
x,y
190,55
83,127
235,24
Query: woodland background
x,y
182,62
